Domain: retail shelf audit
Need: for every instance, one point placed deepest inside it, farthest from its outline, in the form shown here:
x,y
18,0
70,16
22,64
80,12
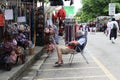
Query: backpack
x,y
114,27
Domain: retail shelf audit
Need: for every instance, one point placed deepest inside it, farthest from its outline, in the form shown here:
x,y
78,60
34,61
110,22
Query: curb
x,y
22,68
39,67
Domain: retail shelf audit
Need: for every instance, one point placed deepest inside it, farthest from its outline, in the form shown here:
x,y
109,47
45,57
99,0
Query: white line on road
x,y
105,70
70,78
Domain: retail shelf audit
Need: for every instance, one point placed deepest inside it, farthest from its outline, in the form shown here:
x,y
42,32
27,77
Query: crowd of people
x,y
106,27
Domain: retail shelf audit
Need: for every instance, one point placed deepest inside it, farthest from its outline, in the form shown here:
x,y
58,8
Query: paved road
x,y
103,57
106,53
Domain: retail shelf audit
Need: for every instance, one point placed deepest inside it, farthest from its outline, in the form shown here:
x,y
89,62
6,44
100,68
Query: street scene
x,y
59,39
103,58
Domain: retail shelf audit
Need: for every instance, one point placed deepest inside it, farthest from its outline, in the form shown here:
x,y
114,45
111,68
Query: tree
x,y
93,8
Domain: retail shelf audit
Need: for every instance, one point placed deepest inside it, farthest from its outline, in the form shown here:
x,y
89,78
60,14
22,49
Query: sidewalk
x,y
18,69
79,70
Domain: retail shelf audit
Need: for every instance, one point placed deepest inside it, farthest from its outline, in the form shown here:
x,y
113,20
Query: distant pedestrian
x,y
114,29
104,27
86,27
108,28
92,26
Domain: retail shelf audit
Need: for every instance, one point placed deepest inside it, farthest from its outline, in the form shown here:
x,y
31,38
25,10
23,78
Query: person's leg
x,y
90,29
63,50
113,40
59,53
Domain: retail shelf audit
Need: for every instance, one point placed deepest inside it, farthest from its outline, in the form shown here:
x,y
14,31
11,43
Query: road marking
x,y
64,78
105,70
77,56
73,62
69,68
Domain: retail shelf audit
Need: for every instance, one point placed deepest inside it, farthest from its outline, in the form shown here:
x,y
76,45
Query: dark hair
x,y
113,19
79,33
1,11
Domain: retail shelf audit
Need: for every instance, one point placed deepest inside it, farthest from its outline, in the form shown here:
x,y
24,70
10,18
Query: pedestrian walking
x,y
114,30
86,27
108,28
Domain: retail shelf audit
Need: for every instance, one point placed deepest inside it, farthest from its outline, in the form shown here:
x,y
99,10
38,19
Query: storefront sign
x,y
69,9
9,14
21,19
111,8
1,19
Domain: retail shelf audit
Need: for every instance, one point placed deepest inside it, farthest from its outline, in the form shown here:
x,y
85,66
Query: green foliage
x,y
94,8
46,0
117,7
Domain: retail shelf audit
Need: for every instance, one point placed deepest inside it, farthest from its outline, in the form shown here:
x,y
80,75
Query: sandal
x,y
58,65
57,62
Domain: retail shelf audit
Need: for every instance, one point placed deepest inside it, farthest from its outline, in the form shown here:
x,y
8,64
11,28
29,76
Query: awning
x,y
117,16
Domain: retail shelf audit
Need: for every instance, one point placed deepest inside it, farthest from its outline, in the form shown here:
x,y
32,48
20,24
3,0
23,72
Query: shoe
x,y
58,65
57,43
57,62
113,42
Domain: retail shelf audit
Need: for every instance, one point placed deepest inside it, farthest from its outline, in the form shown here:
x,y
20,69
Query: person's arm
x,y
74,42
117,26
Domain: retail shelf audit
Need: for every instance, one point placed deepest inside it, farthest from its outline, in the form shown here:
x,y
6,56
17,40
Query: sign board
x,y
69,9
21,19
9,14
1,19
111,8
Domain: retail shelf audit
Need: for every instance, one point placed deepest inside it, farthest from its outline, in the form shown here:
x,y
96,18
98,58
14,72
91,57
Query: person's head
x,y
79,33
113,19
109,20
49,26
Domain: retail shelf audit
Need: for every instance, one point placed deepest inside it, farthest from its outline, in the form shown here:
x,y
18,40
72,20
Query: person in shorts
x,y
69,49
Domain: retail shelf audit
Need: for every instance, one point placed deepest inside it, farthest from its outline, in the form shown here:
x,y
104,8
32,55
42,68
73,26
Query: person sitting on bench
x,y
80,41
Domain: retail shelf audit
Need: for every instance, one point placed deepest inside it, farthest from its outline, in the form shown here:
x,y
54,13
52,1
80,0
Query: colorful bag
x,y
13,57
9,46
51,47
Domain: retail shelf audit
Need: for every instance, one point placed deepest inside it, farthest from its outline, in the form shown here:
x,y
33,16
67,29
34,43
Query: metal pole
x,y
32,23
16,11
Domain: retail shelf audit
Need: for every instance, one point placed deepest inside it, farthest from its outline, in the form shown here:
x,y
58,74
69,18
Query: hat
x,y
79,33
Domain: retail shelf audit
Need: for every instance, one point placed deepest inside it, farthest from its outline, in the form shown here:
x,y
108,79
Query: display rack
x,y
40,25
69,30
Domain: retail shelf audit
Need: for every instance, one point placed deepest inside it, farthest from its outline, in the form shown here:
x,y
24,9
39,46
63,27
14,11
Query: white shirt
x,y
49,22
109,25
114,22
